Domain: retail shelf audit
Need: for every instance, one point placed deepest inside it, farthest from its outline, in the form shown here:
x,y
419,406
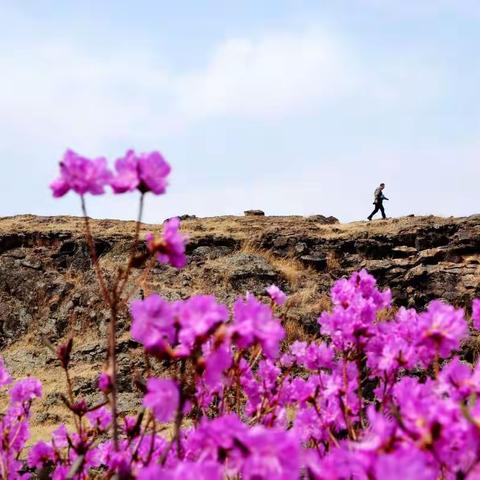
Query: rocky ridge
x,y
48,289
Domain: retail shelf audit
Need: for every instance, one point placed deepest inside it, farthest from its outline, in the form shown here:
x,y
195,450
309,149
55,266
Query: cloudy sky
x,y
290,106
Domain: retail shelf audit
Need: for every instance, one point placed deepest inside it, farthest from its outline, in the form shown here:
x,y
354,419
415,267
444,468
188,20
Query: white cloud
x,y
279,74
53,93
271,75
50,92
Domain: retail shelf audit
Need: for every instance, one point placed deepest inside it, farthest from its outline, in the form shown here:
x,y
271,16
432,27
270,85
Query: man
x,y
379,197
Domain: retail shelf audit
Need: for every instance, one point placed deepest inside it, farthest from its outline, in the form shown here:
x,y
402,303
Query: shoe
x,y
369,219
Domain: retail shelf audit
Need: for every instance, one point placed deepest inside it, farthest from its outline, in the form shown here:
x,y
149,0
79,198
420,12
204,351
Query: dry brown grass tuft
x,y
290,268
333,262
471,348
294,331
387,314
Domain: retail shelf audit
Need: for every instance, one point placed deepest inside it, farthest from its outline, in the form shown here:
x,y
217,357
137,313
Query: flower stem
x,y
93,254
124,276
112,346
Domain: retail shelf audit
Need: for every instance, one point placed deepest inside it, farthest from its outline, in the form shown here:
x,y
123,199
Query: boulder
x,y
323,219
315,261
254,213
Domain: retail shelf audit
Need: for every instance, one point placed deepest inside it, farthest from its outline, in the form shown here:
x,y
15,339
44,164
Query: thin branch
x,y
124,276
93,254
112,358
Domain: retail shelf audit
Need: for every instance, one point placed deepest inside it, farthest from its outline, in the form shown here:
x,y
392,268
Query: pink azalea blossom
x,y
162,398
170,247
272,454
356,302
217,361
255,323
146,172
100,418
81,175
152,323
40,454
276,295
105,382
441,329
199,316
25,390
476,313
405,464
184,471
5,377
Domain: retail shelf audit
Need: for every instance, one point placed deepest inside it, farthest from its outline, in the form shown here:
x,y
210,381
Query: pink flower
x,y
222,433
170,248
272,454
216,362
276,295
441,328
313,356
25,390
457,379
105,382
476,313
146,172
153,172
162,398
183,471
100,418
127,178
5,377
130,425
318,356
356,302
60,436
40,454
81,175
198,317
255,323
60,472
152,323
405,464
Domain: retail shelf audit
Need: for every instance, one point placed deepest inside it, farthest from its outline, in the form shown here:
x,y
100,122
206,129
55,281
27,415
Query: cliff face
x,y
47,286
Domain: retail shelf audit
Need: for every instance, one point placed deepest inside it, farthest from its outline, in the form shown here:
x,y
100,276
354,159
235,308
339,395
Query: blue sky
x,y
293,107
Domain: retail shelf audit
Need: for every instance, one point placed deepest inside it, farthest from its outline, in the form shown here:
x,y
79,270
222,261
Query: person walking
x,y
379,197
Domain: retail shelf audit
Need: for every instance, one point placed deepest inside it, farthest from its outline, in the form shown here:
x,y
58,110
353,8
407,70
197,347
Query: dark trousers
x,y
378,206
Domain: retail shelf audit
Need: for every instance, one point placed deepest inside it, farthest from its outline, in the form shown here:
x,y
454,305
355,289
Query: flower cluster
x,y
170,247
14,422
146,172
371,400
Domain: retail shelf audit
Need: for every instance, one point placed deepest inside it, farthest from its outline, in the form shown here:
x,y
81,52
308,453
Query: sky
x,y
294,107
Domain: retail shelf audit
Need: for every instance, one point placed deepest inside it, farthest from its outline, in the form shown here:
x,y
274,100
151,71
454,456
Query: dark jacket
x,y
379,197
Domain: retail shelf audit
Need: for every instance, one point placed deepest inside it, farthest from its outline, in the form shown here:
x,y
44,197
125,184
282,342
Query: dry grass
x,y
471,348
294,331
292,270
387,314
240,228
306,301
309,300
333,262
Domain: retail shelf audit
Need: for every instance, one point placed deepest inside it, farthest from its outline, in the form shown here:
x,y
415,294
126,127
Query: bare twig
x,y
123,277
93,254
